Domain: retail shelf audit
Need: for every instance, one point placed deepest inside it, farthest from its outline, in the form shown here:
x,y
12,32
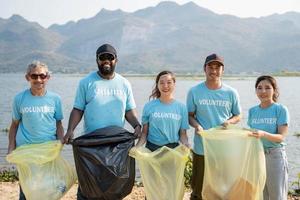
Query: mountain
x,y
19,39
168,36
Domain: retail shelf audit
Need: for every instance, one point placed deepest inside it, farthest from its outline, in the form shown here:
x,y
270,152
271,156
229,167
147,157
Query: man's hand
x,y
11,148
225,124
69,136
137,131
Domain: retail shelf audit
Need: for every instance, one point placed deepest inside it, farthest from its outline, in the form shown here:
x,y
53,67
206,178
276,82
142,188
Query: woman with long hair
x,y
164,119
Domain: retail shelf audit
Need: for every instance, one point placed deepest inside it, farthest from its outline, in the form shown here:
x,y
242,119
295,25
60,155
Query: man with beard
x,y
210,103
104,98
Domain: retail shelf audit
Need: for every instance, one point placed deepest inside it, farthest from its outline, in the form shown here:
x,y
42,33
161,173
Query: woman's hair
x,y
273,82
36,64
155,92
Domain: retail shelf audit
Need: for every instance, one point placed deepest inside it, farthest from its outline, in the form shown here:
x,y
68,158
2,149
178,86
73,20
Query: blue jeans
x,y
276,187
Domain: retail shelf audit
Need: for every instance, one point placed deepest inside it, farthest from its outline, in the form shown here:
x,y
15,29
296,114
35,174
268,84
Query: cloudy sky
x,y
47,12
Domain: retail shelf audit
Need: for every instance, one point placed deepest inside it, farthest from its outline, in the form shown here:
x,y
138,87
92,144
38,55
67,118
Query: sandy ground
x,y
10,191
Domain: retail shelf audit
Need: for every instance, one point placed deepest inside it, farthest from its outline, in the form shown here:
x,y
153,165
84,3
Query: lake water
x,y
65,85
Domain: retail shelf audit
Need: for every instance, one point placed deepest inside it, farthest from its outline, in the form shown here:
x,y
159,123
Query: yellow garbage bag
x,y
43,173
162,171
234,165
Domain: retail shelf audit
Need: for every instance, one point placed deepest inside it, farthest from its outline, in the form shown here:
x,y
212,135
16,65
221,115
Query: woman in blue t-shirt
x,y
164,119
270,121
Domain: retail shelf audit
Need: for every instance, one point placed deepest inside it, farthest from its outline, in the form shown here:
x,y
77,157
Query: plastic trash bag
x,y
104,169
162,171
43,173
234,165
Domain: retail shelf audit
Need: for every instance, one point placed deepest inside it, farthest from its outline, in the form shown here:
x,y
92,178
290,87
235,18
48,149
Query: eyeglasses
x,y
36,76
106,56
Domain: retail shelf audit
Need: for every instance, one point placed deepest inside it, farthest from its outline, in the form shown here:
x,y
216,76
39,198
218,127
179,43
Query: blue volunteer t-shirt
x,y
164,121
103,101
268,119
212,108
37,116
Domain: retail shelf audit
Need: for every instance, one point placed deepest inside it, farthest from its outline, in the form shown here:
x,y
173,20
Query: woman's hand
x,y
199,129
257,134
184,139
186,144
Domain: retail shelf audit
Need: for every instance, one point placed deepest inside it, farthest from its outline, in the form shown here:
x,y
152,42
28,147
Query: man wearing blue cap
x,y
210,103
104,98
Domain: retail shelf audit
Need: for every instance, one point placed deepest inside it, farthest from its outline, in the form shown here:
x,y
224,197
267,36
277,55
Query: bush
x,y
8,175
296,186
188,172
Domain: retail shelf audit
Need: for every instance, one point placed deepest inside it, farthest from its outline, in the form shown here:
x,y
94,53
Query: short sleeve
x,y
283,117
130,103
146,114
16,113
191,107
185,121
58,109
236,105
249,118
80,97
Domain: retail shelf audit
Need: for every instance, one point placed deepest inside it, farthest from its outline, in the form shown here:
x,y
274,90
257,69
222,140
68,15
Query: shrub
x,y
8,175
296,186
188,172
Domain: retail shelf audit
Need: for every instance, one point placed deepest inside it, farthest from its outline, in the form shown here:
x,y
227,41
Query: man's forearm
x,y
131,117
75,118
59,130
12,136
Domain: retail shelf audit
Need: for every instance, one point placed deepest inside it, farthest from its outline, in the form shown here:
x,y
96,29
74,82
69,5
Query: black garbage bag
x,y
104,169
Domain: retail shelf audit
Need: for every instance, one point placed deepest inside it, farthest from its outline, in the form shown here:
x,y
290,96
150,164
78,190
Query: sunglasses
x,y
106,56
36,76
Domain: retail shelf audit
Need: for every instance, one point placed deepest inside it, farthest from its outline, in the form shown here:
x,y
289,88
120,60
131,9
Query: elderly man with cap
x,y
104,98
210,103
